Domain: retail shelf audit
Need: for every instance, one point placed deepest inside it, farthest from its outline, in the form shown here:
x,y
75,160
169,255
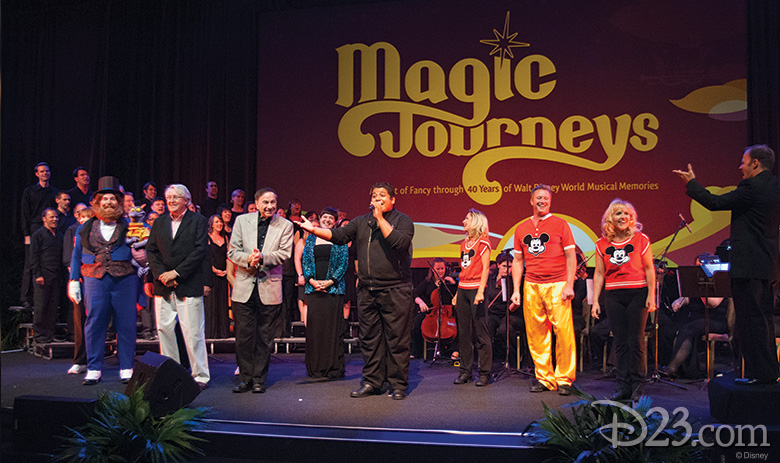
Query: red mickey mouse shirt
x,y
623,261
471,262
542,248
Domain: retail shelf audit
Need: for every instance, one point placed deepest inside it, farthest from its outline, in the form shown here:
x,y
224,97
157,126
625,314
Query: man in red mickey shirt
x,y
546,245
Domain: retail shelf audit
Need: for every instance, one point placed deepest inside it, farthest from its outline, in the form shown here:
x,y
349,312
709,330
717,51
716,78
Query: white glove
x,y
74,291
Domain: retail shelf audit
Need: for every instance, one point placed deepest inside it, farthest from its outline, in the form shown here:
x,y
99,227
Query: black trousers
x,y
27,291
254,337
46,300
473,331
498,326
627,313
289,304
385,320
753,301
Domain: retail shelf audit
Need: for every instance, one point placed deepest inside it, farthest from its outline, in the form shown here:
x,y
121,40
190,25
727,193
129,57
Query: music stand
x,y
660,263
704,281
505,294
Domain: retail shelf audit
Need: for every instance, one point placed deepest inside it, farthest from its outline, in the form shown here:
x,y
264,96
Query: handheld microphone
x,y
370,207
684,222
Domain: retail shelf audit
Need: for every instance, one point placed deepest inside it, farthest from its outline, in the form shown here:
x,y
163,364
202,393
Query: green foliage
x,y
585,432
124,431
12,337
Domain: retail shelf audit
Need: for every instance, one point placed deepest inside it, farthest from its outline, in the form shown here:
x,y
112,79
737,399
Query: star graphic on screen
x,y
504,42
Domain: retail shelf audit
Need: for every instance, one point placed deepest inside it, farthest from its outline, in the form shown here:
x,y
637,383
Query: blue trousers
x,y
104,297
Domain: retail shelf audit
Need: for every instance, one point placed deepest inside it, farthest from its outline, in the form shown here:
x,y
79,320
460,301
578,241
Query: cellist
x,y
422,301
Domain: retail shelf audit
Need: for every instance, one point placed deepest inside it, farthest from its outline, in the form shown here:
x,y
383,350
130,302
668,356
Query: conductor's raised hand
x,y
686,176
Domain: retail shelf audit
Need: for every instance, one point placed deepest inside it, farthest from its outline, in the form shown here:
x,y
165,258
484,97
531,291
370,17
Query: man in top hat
x,y
103,259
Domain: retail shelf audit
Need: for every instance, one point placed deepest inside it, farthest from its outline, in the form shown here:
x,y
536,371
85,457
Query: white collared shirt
x,y
175,223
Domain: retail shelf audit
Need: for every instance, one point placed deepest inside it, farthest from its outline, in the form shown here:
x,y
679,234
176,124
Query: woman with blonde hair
x,y
624,268
472,318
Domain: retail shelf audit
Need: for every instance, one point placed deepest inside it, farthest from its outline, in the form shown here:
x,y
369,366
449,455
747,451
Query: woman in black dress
x,y
216,304
324,265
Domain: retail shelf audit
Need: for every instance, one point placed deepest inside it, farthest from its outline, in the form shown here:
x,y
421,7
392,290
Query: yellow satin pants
x,y
545,310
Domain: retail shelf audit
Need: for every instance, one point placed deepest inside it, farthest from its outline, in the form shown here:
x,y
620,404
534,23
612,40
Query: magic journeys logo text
x,y
432,131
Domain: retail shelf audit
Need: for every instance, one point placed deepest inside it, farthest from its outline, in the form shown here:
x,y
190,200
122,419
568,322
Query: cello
x,y
440,315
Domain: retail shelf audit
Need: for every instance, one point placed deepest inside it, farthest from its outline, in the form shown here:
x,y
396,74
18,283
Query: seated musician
x,y
691,319
422,302
497,314
685,359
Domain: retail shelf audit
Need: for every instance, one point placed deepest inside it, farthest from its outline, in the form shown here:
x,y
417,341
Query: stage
x,y
436,418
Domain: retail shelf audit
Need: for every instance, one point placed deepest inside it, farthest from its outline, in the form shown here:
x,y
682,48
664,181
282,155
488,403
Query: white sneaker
x,y
92,378
125,375
236,373
77,369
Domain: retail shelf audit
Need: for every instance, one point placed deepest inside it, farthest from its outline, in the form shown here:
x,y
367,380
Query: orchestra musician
x,y
497,295
422,299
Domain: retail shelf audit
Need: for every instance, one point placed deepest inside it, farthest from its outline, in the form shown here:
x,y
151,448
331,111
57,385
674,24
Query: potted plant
x,y
122,429
592,430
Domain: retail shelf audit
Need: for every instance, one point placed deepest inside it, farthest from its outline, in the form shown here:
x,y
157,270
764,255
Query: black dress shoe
x,y
638,392
462,378
201,385
483,380
564,389
755,382
258,389
364,391
398,394
538,387
242,387
621,395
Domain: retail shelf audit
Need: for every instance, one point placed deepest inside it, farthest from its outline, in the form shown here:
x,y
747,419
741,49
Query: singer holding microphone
x,y
624,268
383,240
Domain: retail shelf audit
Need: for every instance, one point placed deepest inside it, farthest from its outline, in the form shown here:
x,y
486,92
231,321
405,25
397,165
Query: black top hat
x,y
109,184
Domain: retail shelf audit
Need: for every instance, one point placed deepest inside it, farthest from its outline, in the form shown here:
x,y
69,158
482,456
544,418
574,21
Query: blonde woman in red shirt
x,y
624,268
472,316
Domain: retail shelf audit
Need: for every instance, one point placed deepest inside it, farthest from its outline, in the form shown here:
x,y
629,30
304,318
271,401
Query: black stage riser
x,y
38,420
732,403
291,449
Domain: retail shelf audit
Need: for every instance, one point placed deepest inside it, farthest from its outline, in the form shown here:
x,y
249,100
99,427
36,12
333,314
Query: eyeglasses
x,y
173,198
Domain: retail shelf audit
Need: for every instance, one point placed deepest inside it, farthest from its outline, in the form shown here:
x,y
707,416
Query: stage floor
x,y
433,402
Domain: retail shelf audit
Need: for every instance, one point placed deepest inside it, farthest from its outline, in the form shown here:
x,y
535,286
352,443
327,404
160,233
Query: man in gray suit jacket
x,y
260,242
755,261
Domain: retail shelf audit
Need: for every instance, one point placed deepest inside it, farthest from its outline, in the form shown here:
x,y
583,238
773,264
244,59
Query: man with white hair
x,y
177,251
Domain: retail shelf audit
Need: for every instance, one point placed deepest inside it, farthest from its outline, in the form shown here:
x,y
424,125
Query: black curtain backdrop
x,y
166,90
763,32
